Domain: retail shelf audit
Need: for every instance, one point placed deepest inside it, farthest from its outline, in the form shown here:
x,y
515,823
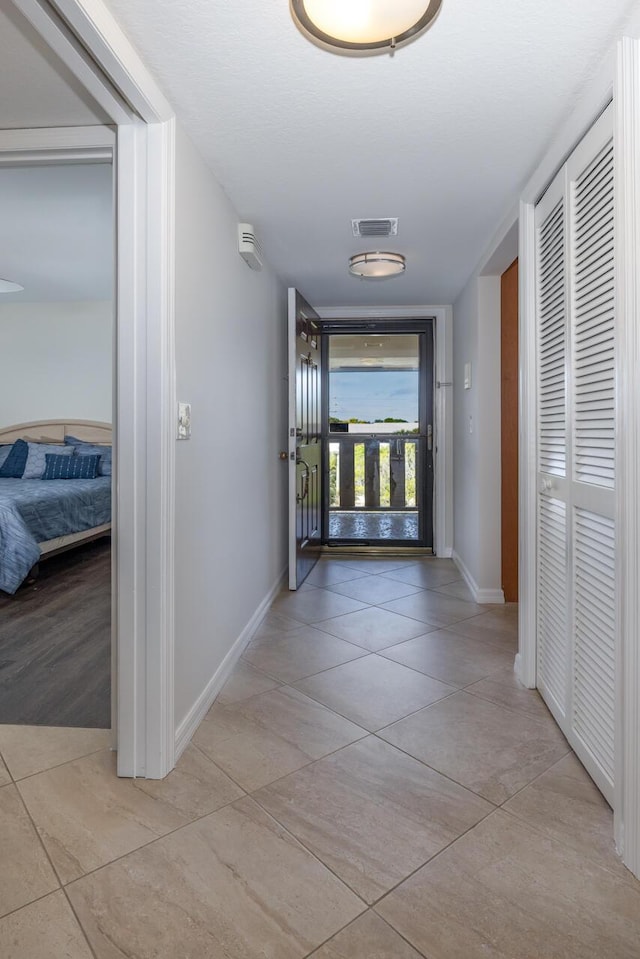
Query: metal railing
x,y
373,473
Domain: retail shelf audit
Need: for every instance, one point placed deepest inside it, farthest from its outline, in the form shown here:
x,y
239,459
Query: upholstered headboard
x,y
54,431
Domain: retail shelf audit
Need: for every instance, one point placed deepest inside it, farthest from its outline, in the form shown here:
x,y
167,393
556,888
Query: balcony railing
x,y
373,473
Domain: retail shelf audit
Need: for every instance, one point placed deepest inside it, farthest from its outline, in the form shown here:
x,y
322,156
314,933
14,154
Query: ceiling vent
x,y
248,246
385,226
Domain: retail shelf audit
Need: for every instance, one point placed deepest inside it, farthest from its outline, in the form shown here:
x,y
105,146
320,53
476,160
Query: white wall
x,y
465,443
56,361
230,543
476,448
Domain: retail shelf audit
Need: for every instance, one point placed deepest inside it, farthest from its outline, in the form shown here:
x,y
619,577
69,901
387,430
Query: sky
x,y
373,395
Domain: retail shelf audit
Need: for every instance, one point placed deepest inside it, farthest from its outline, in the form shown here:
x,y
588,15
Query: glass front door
x,y
379,437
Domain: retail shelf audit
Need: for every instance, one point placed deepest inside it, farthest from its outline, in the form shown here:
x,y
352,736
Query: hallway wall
x,y
476,449
230,486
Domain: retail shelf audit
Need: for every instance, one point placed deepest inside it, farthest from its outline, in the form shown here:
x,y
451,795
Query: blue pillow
x,y
13,466
4,452
74,441
104,452
36,458
70,467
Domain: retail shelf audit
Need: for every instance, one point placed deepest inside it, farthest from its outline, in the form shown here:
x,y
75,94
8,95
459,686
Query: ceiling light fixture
x,y
6,286
376,266
363,25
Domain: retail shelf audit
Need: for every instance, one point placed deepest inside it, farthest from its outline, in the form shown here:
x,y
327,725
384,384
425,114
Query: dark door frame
x,y
306,458
425,329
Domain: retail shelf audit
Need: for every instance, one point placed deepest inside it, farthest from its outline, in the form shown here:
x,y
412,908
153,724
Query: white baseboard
x,y
517,668
480,596
202,705
445,553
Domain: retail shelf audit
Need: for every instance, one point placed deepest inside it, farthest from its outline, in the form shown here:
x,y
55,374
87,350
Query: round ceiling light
x,y
6,286
363,25
377,266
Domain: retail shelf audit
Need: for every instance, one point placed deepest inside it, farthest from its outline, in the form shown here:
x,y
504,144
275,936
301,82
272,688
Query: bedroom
x,y
56,388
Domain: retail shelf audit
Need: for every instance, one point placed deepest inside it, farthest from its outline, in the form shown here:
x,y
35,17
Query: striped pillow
x,y
70,467
104,451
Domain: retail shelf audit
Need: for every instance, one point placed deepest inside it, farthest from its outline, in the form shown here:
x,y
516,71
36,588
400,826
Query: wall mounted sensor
x,y
248,246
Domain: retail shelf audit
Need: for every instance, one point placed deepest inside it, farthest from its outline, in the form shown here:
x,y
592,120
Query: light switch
x,y
467,376
184,421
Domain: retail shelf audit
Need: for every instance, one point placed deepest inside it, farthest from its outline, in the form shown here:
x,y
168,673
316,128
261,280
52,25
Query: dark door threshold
x,y
375,549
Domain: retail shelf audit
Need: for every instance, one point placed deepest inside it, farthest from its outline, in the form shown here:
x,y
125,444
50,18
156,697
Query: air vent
x,y
386,226
248,246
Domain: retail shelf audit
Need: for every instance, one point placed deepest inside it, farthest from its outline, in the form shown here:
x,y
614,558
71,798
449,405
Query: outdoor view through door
x,y
379,436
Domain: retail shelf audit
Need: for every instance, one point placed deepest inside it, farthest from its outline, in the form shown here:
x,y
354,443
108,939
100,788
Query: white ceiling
x,y
37,89
56,232
442,134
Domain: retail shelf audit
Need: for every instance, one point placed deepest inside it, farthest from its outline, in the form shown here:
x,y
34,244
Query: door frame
x,y
84,34
619,80
424,330
509,442
443,403
39,147
299,309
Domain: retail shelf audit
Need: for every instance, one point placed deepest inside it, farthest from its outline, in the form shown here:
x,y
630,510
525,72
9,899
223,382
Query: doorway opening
x,y
56,440
378,434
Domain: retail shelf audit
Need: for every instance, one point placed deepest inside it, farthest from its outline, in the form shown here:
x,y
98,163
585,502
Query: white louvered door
x,y
551,314
576,451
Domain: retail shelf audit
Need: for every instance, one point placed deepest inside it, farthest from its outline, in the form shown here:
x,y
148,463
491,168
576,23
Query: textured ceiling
x,y
56,232
442,134
37,89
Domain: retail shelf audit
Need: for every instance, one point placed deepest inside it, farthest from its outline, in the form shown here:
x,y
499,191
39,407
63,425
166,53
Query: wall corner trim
x,y
188,726
517,668
627,147
481,596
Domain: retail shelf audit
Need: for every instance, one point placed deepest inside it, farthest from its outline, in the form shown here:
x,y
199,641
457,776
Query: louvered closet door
x,y
576,451
553,587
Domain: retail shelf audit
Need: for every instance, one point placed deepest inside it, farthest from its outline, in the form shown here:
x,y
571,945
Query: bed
x,y
41,518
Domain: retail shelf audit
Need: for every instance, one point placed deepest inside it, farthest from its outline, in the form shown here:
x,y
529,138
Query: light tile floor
x,y
372,783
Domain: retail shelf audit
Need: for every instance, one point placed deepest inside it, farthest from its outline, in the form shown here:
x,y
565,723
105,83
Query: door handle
x,y
305,486
429,438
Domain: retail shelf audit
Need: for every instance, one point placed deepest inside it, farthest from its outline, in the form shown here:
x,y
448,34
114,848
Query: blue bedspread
x,y
32,511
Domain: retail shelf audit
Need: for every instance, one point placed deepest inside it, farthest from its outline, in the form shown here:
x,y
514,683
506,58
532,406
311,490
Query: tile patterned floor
x,y
372,783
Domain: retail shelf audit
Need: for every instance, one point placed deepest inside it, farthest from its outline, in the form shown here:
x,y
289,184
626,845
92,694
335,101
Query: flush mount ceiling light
x,y
363,25
6,286
376,266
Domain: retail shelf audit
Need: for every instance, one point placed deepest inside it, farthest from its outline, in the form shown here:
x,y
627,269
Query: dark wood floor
x,y
55,643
